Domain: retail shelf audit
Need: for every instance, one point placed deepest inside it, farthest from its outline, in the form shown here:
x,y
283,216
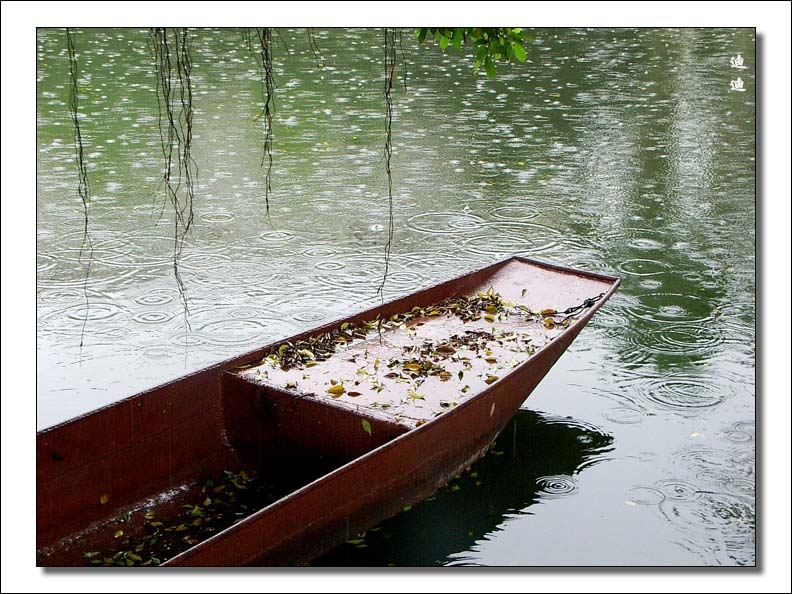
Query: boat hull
x,y
188,430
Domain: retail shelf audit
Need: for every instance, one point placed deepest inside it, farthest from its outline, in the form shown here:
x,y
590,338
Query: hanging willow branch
x,y
390,67
263,58
83,189
174,104
403,60
317,54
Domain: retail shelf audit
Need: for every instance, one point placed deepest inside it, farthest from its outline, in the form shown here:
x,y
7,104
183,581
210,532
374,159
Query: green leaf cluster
x,y
492,43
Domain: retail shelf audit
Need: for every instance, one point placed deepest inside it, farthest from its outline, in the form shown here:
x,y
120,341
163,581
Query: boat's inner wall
x,y
277,432
104,462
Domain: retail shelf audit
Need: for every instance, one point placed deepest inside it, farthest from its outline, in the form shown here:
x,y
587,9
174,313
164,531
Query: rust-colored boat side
x,y
187,430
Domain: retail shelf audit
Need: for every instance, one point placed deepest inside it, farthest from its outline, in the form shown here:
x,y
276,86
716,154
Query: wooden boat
x,y
410,393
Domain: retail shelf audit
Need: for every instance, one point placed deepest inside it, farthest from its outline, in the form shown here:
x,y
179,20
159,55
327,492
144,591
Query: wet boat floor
x,y
386,379
408,375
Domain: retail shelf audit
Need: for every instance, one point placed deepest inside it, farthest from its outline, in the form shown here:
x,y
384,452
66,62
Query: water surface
x,y
616,151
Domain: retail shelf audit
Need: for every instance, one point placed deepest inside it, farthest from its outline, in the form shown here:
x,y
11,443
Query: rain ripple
x,y
506,239
643,267
679,339
556,486
624,415
515,213
445,222
218,217
720,524
684,392
716,461
157,297
154,317
669,308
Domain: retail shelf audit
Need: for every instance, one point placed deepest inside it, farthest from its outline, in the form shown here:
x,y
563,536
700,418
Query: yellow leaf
x,y
336,390
104,498
548,312
491,378
549,323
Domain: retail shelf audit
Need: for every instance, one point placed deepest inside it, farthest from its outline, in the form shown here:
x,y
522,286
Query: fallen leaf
x,y
336,390
366,426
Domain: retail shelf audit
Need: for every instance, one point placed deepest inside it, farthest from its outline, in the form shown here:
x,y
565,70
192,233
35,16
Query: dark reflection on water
x,y
535,459
616,151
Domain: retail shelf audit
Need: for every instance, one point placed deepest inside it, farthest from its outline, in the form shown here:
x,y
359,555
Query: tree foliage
x,y
491,43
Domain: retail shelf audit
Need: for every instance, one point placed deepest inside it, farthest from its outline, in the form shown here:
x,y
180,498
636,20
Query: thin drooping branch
x,y
175,110
317,54
83,189
268,86
390,67
403,60
283,41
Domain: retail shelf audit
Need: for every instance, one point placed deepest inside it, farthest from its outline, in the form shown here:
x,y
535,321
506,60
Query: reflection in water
x,y
534,460
616,151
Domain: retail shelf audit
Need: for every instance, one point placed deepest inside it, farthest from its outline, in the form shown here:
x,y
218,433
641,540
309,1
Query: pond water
x,y
616,151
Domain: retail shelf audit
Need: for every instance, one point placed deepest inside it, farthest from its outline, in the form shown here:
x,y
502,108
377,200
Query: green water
x,y
617,151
